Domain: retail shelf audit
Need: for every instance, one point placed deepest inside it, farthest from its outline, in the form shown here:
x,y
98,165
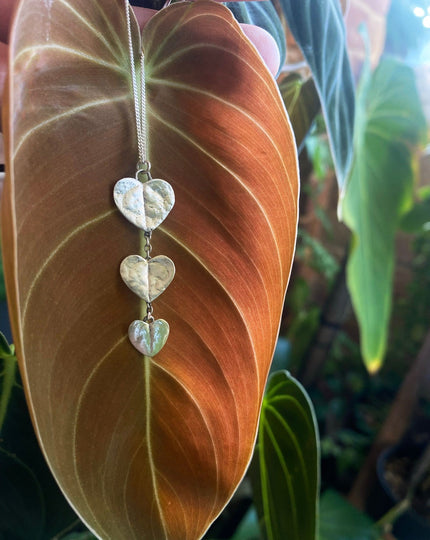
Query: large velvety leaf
x,y
389,123
285,468
145,448
264,15
319,30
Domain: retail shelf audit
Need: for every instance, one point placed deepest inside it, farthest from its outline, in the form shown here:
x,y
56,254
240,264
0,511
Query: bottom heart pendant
x,y
149,338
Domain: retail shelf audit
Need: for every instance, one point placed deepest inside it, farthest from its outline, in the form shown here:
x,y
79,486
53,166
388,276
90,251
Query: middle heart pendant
x,y
146,205
147,278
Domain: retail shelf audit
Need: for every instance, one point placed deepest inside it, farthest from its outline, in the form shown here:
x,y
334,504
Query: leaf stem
x,y
393,514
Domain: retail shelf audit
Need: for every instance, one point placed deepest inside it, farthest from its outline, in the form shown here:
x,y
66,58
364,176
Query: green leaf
x,y
319,30
285,467
264,15
339,520
389,124
302,102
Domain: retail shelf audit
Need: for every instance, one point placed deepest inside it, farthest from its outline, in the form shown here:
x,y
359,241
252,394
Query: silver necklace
x,y
145,202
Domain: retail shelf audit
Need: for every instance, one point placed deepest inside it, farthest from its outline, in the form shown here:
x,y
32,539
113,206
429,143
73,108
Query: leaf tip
x,y
374,365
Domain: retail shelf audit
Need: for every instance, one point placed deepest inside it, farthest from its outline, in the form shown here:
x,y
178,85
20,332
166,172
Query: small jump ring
x,y
143,171
143,166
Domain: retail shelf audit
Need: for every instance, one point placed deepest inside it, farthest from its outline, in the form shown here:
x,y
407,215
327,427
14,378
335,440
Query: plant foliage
x,y
319,30
285,468
301,99
389,126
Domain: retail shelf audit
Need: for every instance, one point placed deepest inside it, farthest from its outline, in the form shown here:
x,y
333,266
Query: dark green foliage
x,y
32,506
302,102
319,30
285,467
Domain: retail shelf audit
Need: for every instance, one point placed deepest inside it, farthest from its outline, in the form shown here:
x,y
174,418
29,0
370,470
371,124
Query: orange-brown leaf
x,y
145,448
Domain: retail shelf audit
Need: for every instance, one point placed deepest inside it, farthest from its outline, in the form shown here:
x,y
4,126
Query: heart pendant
x,y
147,278
149,338
145,205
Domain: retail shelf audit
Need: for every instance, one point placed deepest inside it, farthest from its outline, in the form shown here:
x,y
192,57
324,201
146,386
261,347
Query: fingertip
x,y
265,45
262,40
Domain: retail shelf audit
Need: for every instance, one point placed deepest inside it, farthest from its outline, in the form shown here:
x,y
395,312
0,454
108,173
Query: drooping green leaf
x,y
319,30
264,15
389,124
339,520
145,448
302,102
285,467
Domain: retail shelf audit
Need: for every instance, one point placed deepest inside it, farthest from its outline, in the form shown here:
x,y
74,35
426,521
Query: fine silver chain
x,y
145,202
139,96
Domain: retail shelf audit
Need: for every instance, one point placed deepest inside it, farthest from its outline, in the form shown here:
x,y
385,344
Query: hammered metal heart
x,y
145,205
149,338
147,278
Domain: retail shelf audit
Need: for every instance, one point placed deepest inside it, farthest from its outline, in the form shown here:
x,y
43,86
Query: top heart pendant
x,y
145,205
